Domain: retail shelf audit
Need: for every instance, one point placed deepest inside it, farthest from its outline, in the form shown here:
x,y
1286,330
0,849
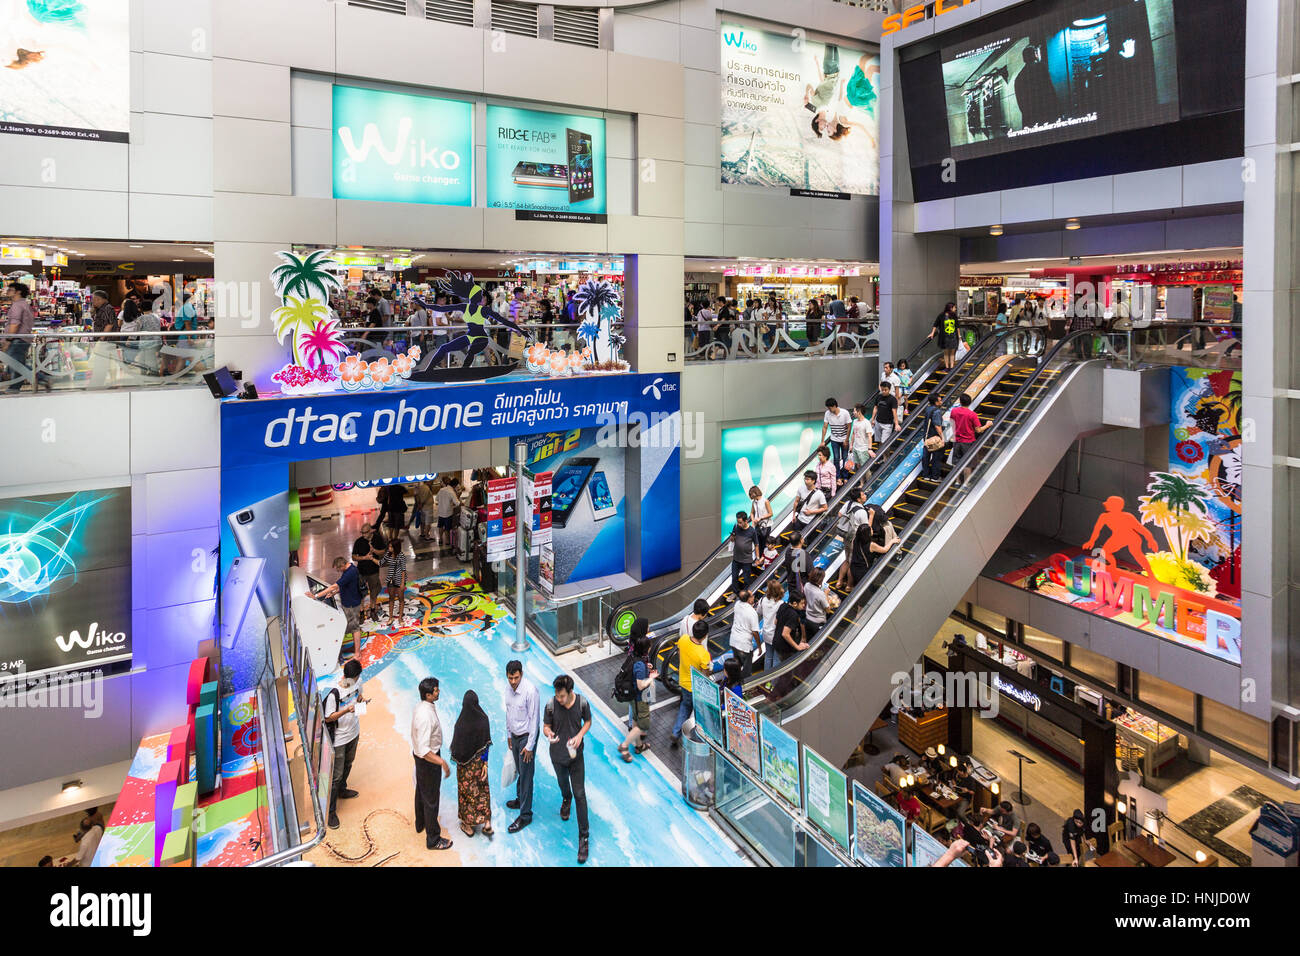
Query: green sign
x,y
545,161
826,797
763,455
395,147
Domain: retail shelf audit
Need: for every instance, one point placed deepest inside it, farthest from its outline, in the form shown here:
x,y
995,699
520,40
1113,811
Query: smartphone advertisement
x,y
65,581
502,516
538,517
585,503
550,164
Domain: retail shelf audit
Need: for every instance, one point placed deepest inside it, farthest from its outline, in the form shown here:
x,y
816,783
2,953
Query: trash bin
x,y
1274,839
698,784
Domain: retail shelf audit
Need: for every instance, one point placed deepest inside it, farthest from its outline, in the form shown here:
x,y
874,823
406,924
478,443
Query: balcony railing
x,y
68,360
759,338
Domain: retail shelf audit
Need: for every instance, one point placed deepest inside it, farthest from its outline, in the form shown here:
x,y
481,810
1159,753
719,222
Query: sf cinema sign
x,y
921,11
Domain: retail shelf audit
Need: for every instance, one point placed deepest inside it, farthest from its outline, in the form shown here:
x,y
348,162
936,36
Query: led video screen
x,y
1088,70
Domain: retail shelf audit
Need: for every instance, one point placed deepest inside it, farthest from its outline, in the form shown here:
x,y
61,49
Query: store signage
x,y
1020,695
397,147
502,515
919,12
20,255
540,162
537,509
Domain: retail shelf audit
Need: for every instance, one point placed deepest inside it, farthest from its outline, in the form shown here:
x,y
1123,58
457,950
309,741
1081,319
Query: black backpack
x,y
331,726
625,682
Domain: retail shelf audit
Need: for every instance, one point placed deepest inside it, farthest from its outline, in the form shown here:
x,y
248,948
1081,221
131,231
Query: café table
x,y
1114,858
1146,850
943,803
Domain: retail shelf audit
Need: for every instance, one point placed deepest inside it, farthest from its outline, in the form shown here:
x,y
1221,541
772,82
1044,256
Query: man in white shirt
x,y
698,613
523,707
448,502
342,717
836,423
813,502
89,843
430,768
703,326
745,632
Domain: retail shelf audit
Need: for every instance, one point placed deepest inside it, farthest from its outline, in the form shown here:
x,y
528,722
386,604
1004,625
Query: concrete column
x,y
245,335
652,312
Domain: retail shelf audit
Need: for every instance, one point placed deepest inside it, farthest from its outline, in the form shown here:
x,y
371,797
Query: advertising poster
x,y
878,830
65,581
66,69
763,455
1217,303
826,797
537,511
1093,68
926,850
550,164
707,697
501,519
798,113
1169,563
586,502
397,147
780,757
546,569
742,731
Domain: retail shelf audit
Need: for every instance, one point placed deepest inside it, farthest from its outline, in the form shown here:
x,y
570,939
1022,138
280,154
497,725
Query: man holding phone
x,y
565,724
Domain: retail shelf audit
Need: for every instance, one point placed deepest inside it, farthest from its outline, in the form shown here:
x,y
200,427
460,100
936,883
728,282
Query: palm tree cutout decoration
x,y
304,283
1178,507
598,301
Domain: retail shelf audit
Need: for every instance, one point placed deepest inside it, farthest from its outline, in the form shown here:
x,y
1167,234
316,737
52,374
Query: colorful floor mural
x,y
455,632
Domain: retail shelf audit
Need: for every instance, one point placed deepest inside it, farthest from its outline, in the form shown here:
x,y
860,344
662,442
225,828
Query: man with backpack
x,y
565,723
343,727
634,678
932,460
854,517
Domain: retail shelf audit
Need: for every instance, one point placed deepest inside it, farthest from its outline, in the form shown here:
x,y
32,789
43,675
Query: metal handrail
x,y
936,498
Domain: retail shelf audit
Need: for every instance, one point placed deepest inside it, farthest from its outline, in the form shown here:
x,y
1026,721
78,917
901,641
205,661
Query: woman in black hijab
x,y
470,742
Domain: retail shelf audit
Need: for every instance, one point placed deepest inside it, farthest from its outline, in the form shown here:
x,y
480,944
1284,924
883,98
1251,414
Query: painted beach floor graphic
x,y
452,630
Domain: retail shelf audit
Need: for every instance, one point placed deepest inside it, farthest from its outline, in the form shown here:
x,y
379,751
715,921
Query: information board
x,y
707,697
878,830
742,731
780,759
501,519
826,797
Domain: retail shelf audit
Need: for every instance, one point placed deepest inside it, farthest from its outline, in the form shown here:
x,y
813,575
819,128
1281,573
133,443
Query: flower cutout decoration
x,y
353,371
537,357
402,365
381,372
558,363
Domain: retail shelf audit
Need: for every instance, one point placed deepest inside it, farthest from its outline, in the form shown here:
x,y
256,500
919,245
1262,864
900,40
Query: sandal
x,y
642,748
442,844
467,830
488,831
622,752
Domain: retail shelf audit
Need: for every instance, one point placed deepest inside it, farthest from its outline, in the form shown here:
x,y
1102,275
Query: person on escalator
x,y
698,613
744,543
745,632
884,414
768,607
692,651
836,423
819,602
760,516
966,428
796,563
789,639
812,504
827,473
945,327
860,438
932,459
854,517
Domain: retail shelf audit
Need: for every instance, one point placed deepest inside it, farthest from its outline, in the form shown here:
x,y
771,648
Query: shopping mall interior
x,y
839,414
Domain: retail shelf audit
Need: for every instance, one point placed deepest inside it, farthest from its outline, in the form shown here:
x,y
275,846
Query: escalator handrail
x,y
823,526
935,499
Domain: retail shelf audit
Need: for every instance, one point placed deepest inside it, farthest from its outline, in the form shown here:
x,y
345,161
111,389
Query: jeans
x,y
746,659
932,464
343,757
773,657
741,574
524,780
18,350
428,796
685,707
837,453
572,780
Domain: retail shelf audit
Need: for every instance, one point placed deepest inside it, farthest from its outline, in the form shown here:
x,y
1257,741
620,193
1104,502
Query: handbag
x,y
934,443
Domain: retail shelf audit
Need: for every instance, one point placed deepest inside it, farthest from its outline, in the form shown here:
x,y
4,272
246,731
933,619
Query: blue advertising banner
x,y
396,147
545,161
324,426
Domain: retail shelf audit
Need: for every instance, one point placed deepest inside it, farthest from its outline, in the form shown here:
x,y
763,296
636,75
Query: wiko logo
x,y
739,42
75,910
420,153
94,638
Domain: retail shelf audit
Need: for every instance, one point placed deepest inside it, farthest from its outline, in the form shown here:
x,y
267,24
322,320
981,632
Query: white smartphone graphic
x,y
602,500
237,595
261,530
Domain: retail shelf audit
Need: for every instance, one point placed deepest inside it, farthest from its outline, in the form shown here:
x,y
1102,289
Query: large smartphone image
x,y
552,175
602,501
582,178
261,530
567,485
236,597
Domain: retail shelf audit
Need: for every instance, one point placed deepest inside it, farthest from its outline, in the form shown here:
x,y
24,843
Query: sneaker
x,y
675,742
334,821
348,794
564,810
582,849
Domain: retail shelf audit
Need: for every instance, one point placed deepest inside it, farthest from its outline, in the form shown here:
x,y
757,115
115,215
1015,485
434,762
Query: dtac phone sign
x,y
545,161
396,147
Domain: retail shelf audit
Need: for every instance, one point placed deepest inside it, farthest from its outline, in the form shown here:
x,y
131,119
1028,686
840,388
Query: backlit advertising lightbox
x,y
798,113
65,581
1094,68
397,147
763,455
545,162
65,69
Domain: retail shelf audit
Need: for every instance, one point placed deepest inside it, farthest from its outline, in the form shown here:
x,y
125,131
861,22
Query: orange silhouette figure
x,y
1126,532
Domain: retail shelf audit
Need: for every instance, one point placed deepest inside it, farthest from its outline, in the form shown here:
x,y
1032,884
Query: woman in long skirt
x,y
470,742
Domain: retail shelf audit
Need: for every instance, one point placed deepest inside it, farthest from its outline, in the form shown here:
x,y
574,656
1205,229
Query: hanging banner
x,y
501,518
536,511
546,570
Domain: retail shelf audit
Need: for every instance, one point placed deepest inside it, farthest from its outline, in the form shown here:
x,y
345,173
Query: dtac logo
x,y
658,387
94,638
739,42
919,12
419,153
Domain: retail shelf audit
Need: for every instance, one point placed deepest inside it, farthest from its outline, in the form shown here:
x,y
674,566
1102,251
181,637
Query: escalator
x,y
829,695
822,543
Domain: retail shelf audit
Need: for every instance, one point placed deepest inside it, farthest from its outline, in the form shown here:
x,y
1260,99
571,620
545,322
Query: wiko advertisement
x,y
1096,68
798,113
397,147
65,581
763,455
65,69
545,162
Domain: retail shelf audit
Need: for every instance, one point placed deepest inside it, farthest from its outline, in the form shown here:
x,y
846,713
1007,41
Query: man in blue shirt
x,y
348,588
522,713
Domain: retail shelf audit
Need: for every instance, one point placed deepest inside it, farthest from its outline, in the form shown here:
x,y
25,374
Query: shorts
x,y
352,615
446,524
881,432
960,449
948,342
373,586
861,458
642,710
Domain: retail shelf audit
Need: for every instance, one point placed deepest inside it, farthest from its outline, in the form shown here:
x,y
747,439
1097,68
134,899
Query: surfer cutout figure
x,y
1126,533
468,296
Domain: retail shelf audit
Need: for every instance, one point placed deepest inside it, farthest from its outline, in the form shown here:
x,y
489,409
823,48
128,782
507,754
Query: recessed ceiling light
x,y
995,230
137,247
1072,224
